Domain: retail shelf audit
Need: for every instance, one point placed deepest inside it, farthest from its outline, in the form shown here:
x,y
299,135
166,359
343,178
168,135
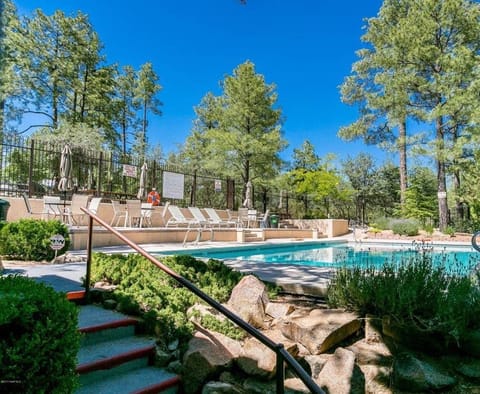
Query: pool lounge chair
x,y
178,219
215,219
198,215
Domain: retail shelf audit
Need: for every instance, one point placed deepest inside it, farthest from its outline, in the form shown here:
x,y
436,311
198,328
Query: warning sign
x,y
57,242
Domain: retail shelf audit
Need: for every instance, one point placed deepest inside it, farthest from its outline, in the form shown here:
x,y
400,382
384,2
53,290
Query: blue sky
x,y
304,47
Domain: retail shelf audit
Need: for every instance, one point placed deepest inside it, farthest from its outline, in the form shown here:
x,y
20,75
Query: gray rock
x,y
413,374
321,330
208,354
222,388
469,368
337,373
249,299
371,353
279,310
258,360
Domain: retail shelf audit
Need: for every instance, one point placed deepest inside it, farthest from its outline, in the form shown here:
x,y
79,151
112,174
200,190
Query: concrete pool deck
x,y
293,279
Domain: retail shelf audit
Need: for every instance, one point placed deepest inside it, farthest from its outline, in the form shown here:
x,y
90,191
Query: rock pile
x,y
343,353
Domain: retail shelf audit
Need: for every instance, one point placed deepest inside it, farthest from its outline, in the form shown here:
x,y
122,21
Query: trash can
x,y
274,221
4,205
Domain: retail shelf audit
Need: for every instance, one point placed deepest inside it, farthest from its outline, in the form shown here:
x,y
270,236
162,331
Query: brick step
x,y
112,359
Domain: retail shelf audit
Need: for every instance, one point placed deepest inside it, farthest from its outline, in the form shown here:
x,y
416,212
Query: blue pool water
x,y
339,255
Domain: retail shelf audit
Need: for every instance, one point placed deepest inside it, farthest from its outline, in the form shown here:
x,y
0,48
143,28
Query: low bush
x,y
29,239
144,288
415,293
405,227
39,339
382,223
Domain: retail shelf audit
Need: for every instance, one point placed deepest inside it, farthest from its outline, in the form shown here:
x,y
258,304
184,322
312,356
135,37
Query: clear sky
x,y
305,47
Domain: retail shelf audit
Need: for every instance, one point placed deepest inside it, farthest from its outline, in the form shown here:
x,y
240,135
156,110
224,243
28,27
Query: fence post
x,y
30,168
98,192
230,193
194,189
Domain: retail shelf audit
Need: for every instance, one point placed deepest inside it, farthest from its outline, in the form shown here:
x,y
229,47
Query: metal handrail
x,y
282,355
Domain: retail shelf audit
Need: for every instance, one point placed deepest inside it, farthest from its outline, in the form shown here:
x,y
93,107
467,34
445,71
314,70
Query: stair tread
x,y
128,382
91,315
105,350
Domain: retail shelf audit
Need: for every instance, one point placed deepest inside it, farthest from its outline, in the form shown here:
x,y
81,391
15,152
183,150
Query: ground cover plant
x,y
39,339
415,293
142,288
29,239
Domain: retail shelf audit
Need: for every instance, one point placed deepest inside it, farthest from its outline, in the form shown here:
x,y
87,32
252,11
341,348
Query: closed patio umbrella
x,y
280,202
65,182
248,196
143,181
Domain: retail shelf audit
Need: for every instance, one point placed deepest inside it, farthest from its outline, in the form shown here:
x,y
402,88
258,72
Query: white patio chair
x,y
215,218
147,210
134,213
94,204
51,207
73,214
119,212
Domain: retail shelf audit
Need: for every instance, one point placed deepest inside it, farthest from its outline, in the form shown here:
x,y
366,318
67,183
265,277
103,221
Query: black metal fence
x,y
32,167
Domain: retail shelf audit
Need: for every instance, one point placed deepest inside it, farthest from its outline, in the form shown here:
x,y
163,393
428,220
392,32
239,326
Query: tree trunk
x,y
459,208
441,176
402,150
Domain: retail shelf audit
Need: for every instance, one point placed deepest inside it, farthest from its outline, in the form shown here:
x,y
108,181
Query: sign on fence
x,y
173,184
129,170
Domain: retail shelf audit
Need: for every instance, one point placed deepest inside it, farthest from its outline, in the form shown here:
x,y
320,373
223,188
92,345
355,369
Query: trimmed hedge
x,y
39,339
29,239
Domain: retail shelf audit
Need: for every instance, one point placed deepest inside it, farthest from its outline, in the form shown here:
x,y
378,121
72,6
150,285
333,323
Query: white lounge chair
x,y
177,218
198,215
215,218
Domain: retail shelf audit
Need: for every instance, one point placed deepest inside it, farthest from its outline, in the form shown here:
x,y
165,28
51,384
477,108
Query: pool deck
x,y
293,279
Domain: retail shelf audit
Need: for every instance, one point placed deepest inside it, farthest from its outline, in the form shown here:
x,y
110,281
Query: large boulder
x,y
321,329
208,354
249,299
256,359
337,374
413,374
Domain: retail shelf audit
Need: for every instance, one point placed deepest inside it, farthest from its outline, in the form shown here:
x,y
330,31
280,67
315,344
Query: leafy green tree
x,y
146,91
239,131
126,103
421,196
361,173
423,64
378,86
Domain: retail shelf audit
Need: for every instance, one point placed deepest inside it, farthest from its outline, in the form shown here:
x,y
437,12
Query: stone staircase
x,y
113,360
251,235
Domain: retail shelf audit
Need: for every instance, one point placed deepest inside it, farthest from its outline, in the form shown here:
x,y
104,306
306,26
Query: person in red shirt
x,y
153,197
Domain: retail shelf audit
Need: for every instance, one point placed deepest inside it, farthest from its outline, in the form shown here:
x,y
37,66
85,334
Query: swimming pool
x,y
342,254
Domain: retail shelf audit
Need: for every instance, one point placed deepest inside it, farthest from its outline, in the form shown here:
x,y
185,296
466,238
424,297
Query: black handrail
x,y
282,355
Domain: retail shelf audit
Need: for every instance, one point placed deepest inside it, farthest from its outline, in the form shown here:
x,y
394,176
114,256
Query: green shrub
x,y
382,223
415,293
39,339
428,228
450,231
405,227
29,239
144,288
